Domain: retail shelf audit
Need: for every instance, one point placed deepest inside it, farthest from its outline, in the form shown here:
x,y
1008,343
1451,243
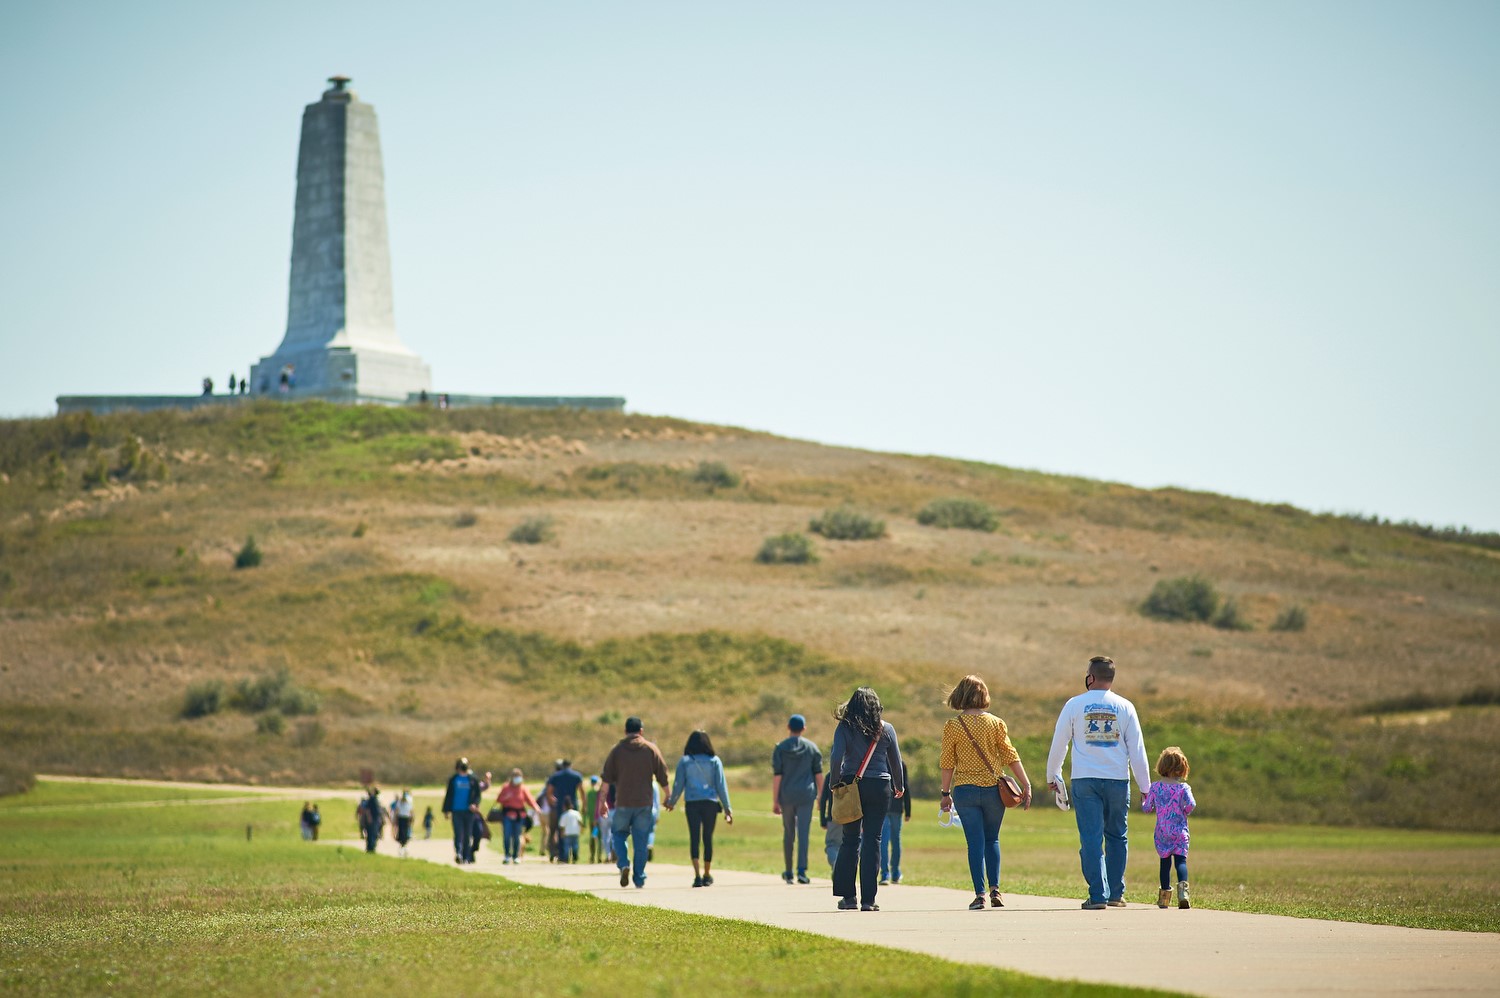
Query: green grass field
x,y
98,896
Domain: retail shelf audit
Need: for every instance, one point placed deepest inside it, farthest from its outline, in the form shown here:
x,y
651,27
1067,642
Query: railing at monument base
x,y
100,404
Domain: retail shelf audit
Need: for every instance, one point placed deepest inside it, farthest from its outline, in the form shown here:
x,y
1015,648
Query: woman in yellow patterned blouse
x,y
975,746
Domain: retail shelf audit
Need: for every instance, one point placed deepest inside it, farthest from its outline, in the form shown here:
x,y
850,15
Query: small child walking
x,y
1172,800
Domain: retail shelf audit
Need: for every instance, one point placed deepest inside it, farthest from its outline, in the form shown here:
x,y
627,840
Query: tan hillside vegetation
x,y
510,585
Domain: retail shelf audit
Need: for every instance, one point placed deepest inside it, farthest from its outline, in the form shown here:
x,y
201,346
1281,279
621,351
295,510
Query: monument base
x,y
342,374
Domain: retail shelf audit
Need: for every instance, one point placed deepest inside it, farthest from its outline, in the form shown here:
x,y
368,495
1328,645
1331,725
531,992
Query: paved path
x,y
1198,951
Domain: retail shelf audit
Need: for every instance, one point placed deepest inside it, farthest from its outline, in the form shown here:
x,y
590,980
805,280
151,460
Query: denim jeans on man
x,y
513,829
890,847
632,827
463,836
1100,806
796,826
981,812
860,851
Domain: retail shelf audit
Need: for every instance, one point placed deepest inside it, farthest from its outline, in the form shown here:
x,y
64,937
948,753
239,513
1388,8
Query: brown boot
x,y
1164,897
1182,894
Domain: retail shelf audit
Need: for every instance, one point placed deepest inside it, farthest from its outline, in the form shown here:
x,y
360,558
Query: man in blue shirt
x,y
462,792
562,789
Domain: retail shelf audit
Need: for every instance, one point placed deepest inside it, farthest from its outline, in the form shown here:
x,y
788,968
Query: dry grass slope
x,y
389,587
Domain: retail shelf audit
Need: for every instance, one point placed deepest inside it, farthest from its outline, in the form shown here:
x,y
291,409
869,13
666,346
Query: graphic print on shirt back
x,y
1101,725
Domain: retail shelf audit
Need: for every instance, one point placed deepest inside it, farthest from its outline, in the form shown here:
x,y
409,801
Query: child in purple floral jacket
x,y
1172,800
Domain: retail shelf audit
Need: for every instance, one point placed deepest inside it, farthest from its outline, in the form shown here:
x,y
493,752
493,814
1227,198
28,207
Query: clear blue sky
x,y
1252,248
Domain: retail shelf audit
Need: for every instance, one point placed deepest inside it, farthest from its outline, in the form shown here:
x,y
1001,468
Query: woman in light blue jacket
x,y
700,776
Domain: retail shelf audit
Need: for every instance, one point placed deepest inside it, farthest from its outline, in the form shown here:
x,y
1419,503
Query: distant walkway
x,y
1198,951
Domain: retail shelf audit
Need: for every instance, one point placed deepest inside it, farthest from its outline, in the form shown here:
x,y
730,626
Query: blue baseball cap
x,y
797,722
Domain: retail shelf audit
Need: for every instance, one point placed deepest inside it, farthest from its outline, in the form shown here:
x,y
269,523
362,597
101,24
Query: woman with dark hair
x,y
700,776
865,752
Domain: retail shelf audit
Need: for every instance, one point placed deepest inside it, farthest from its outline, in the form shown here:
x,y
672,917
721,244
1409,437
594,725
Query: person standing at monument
x,y
1108,747
796,781
462,791
635,768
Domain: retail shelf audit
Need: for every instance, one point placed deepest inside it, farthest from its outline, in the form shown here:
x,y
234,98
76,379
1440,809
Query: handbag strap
x,y
979,748
869,753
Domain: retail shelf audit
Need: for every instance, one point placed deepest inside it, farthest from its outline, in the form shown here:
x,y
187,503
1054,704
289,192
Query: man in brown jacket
x,y
628,771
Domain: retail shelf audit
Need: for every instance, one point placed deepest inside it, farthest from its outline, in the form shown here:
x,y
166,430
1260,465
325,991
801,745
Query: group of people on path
x,y
373,819
618,809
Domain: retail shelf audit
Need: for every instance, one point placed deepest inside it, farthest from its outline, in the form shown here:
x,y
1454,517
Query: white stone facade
x,y
340,340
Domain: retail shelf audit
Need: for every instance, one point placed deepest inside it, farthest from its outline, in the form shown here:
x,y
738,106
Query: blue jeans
x,y
463,836
981,812
1167,862
512,831
890,846
632,826
1100,806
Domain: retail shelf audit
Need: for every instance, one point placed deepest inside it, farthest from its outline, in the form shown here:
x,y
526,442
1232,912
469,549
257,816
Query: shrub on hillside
x,y
716,475
959,513
1293,618
1189,597
95,470
466,519
846,524
249,555
270,723
532,530
203,699
14,779
1229,617
787,549
274,691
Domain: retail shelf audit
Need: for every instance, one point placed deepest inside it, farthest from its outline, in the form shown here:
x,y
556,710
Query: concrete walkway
x,y
1198,951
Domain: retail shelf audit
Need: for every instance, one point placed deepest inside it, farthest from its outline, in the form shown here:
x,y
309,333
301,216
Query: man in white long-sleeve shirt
x,y
1107,746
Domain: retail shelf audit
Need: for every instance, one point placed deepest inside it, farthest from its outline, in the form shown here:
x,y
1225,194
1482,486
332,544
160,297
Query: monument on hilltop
x,y
340,338
340,342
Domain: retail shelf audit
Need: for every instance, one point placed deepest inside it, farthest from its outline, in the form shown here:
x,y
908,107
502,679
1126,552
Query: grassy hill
x,y
392,622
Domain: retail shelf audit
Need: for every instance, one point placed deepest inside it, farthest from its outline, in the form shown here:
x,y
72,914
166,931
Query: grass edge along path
x,y
175,900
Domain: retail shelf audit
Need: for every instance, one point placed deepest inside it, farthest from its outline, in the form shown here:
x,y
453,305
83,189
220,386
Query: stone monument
x,y
340,340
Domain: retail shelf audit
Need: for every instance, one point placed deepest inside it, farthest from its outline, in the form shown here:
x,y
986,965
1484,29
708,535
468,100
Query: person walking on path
x,y
307,825
796,782
561,792
635,768
316,821
371,818
1105,733
402,807
427,824
976,744
890,835
515,803
865,752
591,820
700,777
462,791
833,834
569,826
1172,800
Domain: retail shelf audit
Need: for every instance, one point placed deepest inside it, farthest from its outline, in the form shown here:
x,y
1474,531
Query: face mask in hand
x,y
516,780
